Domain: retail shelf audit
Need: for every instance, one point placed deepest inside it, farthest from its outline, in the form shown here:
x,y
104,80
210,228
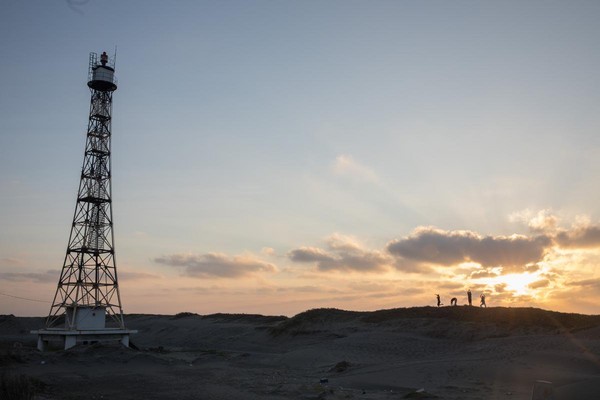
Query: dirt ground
x,y
445,353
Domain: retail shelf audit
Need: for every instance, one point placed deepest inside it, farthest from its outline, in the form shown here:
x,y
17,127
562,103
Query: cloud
x,y
483,273
448,248
12,262
216,265
544,221
500,287
411,266
370,286
539,284
584,293
343,243
136,276
582,234
531,268
551,276
586,283
309,255
345,165
344,254
450,285
37,277
411,291
303,289
268,251
579,237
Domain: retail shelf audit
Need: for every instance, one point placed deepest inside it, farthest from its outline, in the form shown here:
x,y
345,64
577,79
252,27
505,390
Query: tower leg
x,y
70,341
41,343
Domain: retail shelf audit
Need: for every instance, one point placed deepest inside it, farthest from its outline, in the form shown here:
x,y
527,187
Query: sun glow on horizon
x,y
517,283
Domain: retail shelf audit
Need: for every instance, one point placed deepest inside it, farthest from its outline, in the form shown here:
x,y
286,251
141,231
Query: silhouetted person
x,y
439,301
482,297
453,301
470,297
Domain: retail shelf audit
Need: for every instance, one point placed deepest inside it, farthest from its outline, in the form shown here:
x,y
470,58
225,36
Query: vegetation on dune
x,y
184,314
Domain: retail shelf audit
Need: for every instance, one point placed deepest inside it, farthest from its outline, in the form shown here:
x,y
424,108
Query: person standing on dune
x,y
482,300
470,297
439,301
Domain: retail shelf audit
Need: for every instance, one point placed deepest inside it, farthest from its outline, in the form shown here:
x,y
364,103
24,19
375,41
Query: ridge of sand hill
x,y
507,320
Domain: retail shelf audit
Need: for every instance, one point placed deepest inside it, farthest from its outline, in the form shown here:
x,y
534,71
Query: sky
x,y
272,157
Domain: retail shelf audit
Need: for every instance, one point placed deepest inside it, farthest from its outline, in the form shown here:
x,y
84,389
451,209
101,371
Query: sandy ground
x,y
451,353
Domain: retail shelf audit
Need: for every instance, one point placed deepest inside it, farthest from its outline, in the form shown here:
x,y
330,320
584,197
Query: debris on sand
x,y
340,367
419,394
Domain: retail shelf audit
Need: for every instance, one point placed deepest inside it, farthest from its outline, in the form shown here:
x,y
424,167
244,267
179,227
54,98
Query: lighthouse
x,y
87,302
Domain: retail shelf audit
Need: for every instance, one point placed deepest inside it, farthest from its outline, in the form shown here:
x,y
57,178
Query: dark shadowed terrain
x,y
422,352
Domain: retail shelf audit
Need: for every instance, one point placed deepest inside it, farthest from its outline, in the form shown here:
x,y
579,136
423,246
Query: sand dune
x,y
449,352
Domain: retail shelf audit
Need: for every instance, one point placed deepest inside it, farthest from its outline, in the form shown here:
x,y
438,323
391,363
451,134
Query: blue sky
x,y
251,129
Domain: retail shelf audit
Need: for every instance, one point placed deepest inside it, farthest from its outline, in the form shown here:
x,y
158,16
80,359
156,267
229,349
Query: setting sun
x,y
517,283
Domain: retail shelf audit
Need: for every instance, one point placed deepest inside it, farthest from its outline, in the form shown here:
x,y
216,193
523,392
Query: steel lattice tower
x,y
88,280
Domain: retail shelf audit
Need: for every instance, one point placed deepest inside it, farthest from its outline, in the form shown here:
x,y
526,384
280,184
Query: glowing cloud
x,y
448,248
343,254
544,221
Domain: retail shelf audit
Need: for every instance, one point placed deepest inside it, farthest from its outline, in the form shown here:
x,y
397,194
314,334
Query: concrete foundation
x,y
70,338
